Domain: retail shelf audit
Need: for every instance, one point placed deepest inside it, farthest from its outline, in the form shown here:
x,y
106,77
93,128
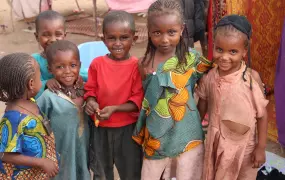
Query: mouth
x,y
118,50
224,64
68,78
165,47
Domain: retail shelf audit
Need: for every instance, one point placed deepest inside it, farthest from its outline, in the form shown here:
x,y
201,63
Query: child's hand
x,y
79,83
91,106
258,157
106,112
49,167
53,85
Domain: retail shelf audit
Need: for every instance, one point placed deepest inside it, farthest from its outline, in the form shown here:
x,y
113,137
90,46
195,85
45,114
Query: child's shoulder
x,y
37,56
46,94
14,117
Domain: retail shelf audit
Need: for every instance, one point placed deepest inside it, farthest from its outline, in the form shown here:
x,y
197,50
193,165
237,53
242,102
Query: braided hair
x,y
233,24
15,72
165,7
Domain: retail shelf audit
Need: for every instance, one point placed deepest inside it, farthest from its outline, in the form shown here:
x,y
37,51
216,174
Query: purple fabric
x,y
279,90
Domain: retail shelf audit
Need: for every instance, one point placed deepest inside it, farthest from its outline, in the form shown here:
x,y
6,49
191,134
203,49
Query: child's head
x,y
119,34
20,77
64,62
50,27
231,42
165,30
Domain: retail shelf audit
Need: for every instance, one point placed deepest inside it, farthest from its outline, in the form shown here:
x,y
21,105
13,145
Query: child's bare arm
x,y
47,165
262,130
258,157
202,107
257,78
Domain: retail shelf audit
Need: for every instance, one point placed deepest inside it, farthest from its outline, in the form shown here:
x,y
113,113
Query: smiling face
x,y
50,31
165,36
65,67
229,51
118,37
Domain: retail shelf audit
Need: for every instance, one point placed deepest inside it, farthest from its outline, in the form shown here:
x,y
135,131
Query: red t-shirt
x,y
114,83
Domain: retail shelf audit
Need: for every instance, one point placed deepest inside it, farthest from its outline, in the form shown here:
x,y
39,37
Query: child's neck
x,y
72,91
122,59
161,57
25,106
43,54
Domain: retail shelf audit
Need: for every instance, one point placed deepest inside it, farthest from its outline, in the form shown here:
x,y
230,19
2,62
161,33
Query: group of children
x,y
149,123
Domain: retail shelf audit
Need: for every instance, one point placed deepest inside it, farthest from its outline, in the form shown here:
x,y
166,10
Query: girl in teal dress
x,y
64,108
50,27
27,145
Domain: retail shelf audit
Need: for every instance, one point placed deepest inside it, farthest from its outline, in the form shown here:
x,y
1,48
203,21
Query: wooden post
x,y
95,18
11,14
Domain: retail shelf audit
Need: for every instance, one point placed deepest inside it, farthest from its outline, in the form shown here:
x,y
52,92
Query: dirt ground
x,y
22,41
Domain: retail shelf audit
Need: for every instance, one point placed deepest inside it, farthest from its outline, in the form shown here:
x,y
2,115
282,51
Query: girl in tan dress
x,y
232,96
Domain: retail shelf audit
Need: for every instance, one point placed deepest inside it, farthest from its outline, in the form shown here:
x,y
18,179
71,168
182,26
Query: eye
x,y
233,52
111,38
124,38
219,50
156,33
46,34
59,67
172,32
58,34
73,65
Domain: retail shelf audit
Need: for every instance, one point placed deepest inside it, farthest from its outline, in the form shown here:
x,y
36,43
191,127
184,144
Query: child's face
x,y
65,67
50,31
165,32
229,50
118,37
37,83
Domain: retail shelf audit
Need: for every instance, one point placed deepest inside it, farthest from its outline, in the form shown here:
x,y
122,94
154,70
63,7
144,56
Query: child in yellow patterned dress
x,y
27,146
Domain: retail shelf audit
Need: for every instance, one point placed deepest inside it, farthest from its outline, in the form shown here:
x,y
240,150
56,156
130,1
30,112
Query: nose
x,y
52,39
165,39
117,42
225,56
67,70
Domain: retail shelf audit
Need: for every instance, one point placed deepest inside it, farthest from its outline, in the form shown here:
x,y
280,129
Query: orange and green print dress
x,y
169,122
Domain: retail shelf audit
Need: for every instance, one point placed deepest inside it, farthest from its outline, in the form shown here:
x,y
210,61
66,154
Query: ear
x,y
135,38
31,84
245,53
36,36
49,69
102,38
79,64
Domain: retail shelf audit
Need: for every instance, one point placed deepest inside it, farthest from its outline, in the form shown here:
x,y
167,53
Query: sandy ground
x,y
21,41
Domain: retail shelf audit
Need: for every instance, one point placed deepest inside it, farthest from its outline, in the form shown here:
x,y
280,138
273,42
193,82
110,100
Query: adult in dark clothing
x,y
194,14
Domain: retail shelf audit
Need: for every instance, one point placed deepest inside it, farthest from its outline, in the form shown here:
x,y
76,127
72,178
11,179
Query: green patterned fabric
x,y
169,122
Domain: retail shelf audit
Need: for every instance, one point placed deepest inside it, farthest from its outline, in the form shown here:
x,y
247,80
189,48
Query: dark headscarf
x,y
242,24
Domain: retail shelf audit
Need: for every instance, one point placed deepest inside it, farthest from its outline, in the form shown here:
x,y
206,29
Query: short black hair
x,y
16,71
119,16
48,15
61,45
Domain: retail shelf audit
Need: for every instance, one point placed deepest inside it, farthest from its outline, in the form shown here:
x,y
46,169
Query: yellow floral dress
x,y
169,123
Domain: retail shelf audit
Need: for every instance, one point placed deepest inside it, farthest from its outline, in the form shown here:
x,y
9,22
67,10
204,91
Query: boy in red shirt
x,y
114,95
